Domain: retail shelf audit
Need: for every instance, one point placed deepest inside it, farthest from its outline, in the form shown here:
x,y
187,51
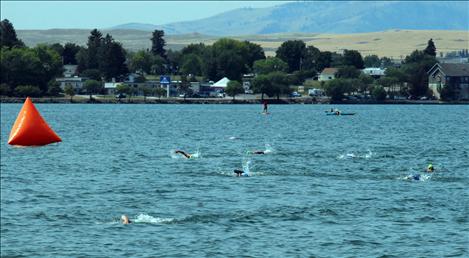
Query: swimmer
x,y
256,152
413,177
183,153
430,168
125,219
238,172
244,172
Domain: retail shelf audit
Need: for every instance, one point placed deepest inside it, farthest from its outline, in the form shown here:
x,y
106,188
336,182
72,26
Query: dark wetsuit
x,y
258,152
183,153
238,172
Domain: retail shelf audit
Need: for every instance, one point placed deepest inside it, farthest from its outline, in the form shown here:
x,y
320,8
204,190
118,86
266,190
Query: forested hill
x,y
325,17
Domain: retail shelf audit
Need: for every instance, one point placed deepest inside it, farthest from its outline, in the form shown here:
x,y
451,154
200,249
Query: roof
x,y
222,83
451,69
329,70
111,85
374,71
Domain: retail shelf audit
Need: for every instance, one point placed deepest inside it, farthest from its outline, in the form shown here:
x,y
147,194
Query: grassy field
x,y
392,43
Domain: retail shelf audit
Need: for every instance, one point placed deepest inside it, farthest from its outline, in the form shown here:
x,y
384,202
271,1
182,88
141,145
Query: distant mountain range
x,y
325,17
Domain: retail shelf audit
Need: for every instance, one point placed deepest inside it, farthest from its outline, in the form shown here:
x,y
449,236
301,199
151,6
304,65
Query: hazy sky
x,y
104,14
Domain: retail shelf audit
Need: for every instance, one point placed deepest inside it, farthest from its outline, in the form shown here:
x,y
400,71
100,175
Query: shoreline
x,y
304,100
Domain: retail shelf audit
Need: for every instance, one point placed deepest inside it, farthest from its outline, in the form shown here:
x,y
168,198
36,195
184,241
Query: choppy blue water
x,y
330,186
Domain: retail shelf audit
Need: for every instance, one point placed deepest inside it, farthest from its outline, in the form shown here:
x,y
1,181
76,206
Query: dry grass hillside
x,y
392,43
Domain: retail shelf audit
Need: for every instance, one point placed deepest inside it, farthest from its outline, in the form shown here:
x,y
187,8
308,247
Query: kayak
x,y
341,114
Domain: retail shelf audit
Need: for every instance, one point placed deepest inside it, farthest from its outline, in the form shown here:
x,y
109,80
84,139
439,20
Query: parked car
x,y
295,94
121,96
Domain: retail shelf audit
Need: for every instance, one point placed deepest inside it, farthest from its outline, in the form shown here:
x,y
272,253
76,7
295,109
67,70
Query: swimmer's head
x,y
125,219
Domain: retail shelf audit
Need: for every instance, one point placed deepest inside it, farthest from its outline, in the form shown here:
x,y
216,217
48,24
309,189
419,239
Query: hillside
x,y
388,43
326,17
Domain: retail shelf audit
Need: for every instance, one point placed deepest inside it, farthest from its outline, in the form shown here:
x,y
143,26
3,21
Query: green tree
x,y
230,64
27,91
347,72
430,49
53,88
270,64
70,91
82,59
353,58
5,90
146,90
93,74
378,93
94,44
293,53
229,59
51,63
158,43
192,64
372,61
112,62
254,52
324,60
311,58
415,67
8,36
69,53
141,62
158,65
261,84
173,59
336,89
234,88
184,87
386,62
365,82
25,66
92,87
160,92
20,66
279,84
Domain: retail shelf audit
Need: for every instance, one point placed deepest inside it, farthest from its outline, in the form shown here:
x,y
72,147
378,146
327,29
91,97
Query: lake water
x,y
330,186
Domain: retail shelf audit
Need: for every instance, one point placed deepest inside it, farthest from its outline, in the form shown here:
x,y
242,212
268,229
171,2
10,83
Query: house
x,y
327,74
110,87
374,72
452,75
69,70
247,82
221,84
76,82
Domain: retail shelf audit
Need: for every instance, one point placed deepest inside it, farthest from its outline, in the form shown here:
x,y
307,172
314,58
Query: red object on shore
x,y
30,129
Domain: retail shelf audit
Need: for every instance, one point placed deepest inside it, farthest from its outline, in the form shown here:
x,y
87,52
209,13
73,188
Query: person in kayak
x,y
185,154
125,219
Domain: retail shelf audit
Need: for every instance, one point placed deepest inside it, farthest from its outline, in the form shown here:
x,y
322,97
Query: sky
x,y
106,14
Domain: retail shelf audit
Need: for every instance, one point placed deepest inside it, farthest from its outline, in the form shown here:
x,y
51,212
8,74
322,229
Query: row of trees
x,y
26,71
410,78
103,58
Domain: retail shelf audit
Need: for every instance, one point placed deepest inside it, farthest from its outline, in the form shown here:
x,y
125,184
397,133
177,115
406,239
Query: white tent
x,y
221,83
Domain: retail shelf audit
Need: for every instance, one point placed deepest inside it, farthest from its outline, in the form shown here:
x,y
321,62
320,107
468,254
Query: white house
x,y
110,87
327,74
221,84
375,72
76,82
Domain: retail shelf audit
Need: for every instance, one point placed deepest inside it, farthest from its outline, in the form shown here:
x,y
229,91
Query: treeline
x,y
102,59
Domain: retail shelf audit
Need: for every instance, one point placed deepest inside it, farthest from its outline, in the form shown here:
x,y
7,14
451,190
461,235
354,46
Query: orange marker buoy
x,y
30,129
